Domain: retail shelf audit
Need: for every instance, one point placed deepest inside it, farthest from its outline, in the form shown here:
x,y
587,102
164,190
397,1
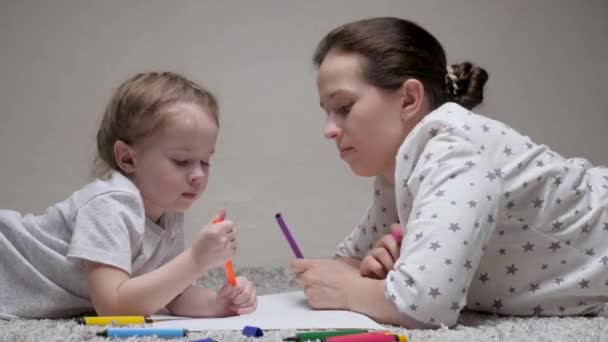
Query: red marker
x,y
397,232
228,269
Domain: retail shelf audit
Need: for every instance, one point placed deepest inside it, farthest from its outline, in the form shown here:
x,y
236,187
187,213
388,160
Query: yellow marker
x,y
113,320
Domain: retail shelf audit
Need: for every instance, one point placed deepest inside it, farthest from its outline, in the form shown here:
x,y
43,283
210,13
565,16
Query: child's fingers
x,y
245,296
227,291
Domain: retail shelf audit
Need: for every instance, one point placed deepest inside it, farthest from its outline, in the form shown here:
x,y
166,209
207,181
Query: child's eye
x,y
180,163
204,164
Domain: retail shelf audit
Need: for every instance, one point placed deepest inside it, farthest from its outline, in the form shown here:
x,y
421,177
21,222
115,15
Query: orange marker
x,y
228,269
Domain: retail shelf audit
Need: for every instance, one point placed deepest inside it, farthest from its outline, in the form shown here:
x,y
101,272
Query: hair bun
x,y
470,80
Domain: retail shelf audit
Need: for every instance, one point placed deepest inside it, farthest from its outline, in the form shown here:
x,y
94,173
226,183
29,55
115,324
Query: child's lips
x,y
189,194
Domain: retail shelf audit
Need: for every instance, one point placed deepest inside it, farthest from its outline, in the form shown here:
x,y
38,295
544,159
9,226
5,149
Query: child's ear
x,y
124,155
412,99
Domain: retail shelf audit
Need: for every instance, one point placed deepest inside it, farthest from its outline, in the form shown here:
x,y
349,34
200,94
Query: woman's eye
x,y
344,110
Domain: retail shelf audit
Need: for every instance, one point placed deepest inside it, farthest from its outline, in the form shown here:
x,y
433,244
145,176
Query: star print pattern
x,y
491,219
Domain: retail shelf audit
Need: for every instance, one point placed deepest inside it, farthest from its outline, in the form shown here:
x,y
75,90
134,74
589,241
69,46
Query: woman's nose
x,y
331,131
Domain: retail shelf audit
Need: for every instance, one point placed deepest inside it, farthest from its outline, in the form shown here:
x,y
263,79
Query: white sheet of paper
x,y
278,311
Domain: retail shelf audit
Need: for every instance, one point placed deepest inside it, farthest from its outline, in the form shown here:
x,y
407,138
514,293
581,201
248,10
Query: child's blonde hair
x,y
136,109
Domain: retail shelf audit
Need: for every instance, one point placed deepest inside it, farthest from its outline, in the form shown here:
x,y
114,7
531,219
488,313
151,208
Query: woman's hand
x,y
381,259
326,282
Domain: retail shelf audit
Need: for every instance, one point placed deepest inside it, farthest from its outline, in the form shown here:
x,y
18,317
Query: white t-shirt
x,y
41,270
493,222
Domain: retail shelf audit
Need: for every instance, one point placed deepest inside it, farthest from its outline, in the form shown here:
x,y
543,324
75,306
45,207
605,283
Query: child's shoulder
x,y
115,188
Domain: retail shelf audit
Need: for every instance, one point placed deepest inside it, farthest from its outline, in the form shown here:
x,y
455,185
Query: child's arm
x,y
113,292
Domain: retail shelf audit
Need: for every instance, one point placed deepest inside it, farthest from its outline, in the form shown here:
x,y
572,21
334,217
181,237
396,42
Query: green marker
x,y
322,335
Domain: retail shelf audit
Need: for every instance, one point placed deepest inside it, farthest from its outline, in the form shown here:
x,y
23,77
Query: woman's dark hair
x,y
395,50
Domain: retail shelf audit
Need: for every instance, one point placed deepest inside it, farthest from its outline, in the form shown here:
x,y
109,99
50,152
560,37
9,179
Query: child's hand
x,y
381,259
240,299
215,244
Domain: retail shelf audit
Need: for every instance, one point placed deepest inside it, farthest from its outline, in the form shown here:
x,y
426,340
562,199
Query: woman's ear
x,y
124,155
413,99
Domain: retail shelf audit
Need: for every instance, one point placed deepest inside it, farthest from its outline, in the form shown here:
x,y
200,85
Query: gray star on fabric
x,y
433,132
439,193
502,251
413,307
405,156
428,156
557,181
510,205
454,227
589,252
538,203
556,226
511,290
604,260
483,277
469,163
455,306
508,151
529,145
584,283
419,236
544,267
422,268
525,184
559,280
540,163
534,287
497,304
468,265
434,292
472,204
558,201
485,128
410,282
525,227
435,246
491,176
538,310
561,309
528,247
377,192
449,261
586,228
512,269
554,246
490,219
466,127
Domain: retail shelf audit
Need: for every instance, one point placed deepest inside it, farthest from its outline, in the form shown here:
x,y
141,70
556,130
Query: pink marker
x,y
397,232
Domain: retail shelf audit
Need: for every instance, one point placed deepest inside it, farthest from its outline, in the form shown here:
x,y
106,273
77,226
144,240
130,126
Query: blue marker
x,y
130,332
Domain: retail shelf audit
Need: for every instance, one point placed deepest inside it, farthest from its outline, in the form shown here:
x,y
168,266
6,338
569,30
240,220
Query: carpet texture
x,y
472,327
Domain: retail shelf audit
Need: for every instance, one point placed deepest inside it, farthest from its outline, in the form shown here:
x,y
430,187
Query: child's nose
x,y
197,174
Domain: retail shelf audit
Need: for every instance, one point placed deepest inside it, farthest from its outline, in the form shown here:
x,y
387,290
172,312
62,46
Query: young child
x,y
116,246
493,221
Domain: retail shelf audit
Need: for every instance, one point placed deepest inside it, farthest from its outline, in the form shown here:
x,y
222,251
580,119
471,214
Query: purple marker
x,y
288,236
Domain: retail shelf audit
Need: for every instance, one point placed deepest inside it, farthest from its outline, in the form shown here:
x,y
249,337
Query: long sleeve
x,y
374,224
448,199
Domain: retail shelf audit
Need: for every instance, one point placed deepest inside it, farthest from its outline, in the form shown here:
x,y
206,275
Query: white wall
x,y
60,61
